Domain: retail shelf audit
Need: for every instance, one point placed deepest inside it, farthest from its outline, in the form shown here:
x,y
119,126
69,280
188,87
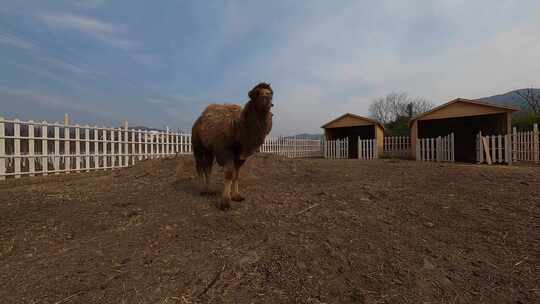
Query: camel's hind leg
x,y
205,178
204,160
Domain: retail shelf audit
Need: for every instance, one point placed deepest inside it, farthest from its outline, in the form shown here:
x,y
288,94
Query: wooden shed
x,y
465,119
353,127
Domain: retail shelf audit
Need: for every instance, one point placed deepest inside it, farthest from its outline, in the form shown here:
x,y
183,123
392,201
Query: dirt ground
x,y
310,231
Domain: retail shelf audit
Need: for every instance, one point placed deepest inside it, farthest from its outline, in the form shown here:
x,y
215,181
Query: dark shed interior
x,y
465,130
352,133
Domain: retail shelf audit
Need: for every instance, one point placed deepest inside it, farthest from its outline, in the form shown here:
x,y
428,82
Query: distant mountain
x,y
510,98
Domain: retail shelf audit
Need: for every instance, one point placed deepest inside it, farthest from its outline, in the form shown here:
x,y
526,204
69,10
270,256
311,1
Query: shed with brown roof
x,y
465,118
353,127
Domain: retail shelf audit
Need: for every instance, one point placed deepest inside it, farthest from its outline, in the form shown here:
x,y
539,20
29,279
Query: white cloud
x,y
64,65
92,3
42,98
103,31
81,23
148,60
158,101
11,40
58,78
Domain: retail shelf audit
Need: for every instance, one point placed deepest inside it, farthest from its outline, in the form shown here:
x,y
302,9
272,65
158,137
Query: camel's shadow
x,y
190,186
187,186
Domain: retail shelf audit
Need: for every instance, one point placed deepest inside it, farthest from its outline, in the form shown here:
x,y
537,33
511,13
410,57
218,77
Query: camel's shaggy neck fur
x,y
253,127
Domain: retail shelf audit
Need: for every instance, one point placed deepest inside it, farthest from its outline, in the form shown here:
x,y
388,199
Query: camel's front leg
x,y
229,176
235,190
238,163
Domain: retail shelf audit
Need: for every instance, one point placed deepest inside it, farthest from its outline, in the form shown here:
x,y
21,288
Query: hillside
x,y
510,98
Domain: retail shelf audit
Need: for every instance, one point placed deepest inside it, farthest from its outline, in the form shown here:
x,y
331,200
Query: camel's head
x,y
261,96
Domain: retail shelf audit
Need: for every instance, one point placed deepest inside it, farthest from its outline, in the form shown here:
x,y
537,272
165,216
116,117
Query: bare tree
x,y
380,110
396,105
531,99
420,105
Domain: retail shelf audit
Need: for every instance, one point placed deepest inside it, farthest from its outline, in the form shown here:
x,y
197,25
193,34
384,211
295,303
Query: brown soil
x,y
310,231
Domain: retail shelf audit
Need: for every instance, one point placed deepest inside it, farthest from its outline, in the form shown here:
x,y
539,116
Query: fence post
x,y
514,144
2,149
481,147
360,156
375,150
67,152
536,143
158,145
140,144
452,154
507,149
485,141
106,152
446,153
126,147
145,144
164,144
175,143
44,149
168,143
438,149
418,156
87,148
17,143
493,149
181,140
114,150
132,154
151,138
31,149
499,148
120,149
425,148
96,148
161,140
77,148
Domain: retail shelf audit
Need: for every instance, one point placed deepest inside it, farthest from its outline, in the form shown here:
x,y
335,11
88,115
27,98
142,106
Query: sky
x,y
159,63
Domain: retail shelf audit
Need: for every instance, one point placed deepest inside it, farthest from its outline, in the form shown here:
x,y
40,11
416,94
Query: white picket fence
x,y
42,148
520,146
440,149
526,145
397,146
292,147
367,149
493,149
336,149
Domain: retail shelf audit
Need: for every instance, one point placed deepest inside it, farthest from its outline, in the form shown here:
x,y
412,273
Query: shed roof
x,y
351,120
467,107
